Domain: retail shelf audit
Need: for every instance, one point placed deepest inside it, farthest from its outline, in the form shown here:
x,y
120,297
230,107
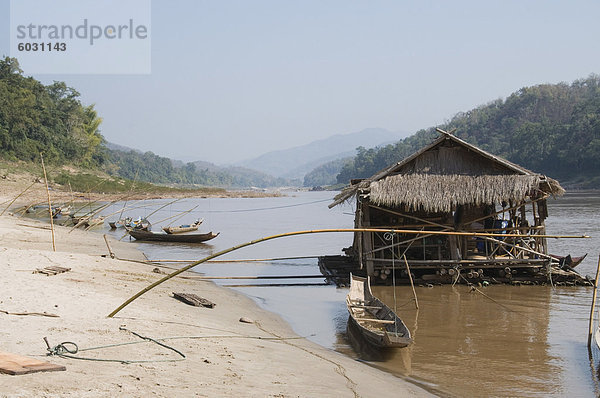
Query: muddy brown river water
x,y
513,341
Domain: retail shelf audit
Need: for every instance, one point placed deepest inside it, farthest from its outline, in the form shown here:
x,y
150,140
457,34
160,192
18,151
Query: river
x,y
512,341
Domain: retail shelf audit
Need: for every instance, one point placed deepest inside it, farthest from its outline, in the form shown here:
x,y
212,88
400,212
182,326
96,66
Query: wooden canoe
x,y
120,223
182,238
183,228
568,261
87,221
380,326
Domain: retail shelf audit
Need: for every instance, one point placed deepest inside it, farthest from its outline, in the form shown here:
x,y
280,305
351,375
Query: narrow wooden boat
x,y
95,222
120,223
377,322
183,228
139,224
182,238
568,261
87,221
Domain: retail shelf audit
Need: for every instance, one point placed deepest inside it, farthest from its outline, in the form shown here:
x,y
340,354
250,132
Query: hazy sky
x,y
234,79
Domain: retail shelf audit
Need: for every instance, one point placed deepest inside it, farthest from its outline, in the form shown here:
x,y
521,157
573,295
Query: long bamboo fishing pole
x,y
132,207
412,284
178,216
242,245
162,207
49,204
33,204
146,217
130,192
247,260
18,196
591,330
500,242
277,284
102,181
110,214
97,200
257,277
89,215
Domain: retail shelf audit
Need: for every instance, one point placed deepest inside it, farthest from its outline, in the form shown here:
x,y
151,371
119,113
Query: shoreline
x,y
223,355
14,185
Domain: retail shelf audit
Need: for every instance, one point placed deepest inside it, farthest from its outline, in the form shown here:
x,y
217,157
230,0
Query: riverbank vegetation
x,y
549,128
50,119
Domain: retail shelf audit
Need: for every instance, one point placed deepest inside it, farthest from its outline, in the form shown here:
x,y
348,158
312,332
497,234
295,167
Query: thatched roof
x,y
437,193
447,173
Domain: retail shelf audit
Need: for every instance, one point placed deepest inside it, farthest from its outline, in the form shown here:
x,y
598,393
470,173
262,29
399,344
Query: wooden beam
x,y
375,320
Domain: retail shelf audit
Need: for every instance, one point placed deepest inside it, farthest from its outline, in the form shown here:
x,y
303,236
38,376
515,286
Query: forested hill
x,y
552,129
35,118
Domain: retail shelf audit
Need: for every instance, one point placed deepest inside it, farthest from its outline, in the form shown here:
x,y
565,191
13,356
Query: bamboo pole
x,y
130,192
102,181
18,196
162,207
249,260
146,217
29,207
591,329
242,245
517,247
279,284
112,255
132,207
258,277
177,216
411,282
49,204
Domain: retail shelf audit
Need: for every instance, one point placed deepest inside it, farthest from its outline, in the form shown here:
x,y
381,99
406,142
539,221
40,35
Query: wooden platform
x,y
337,269
14,364
472,271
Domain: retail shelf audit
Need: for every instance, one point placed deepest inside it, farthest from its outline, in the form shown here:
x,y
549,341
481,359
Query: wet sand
x,y
224,357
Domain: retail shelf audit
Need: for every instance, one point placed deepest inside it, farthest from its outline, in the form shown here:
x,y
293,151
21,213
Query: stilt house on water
x,y
451,186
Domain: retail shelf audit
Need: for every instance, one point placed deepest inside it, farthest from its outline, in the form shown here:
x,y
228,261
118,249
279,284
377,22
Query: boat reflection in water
x,y
363,348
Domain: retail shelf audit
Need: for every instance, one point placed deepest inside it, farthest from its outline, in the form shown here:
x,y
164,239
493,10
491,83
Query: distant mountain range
x,y
321,160
295,163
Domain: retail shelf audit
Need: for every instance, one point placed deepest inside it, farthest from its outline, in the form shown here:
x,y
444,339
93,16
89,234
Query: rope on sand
x,y
68,349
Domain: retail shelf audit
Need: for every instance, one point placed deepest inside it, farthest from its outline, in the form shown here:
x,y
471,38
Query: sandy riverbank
x,y
33,190
225,357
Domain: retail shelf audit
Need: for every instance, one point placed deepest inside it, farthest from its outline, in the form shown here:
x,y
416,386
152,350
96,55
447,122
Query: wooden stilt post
x,y
411,281
49,204
591,330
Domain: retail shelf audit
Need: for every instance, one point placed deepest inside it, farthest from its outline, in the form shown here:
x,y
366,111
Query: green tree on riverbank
x,y
51,119
36,118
